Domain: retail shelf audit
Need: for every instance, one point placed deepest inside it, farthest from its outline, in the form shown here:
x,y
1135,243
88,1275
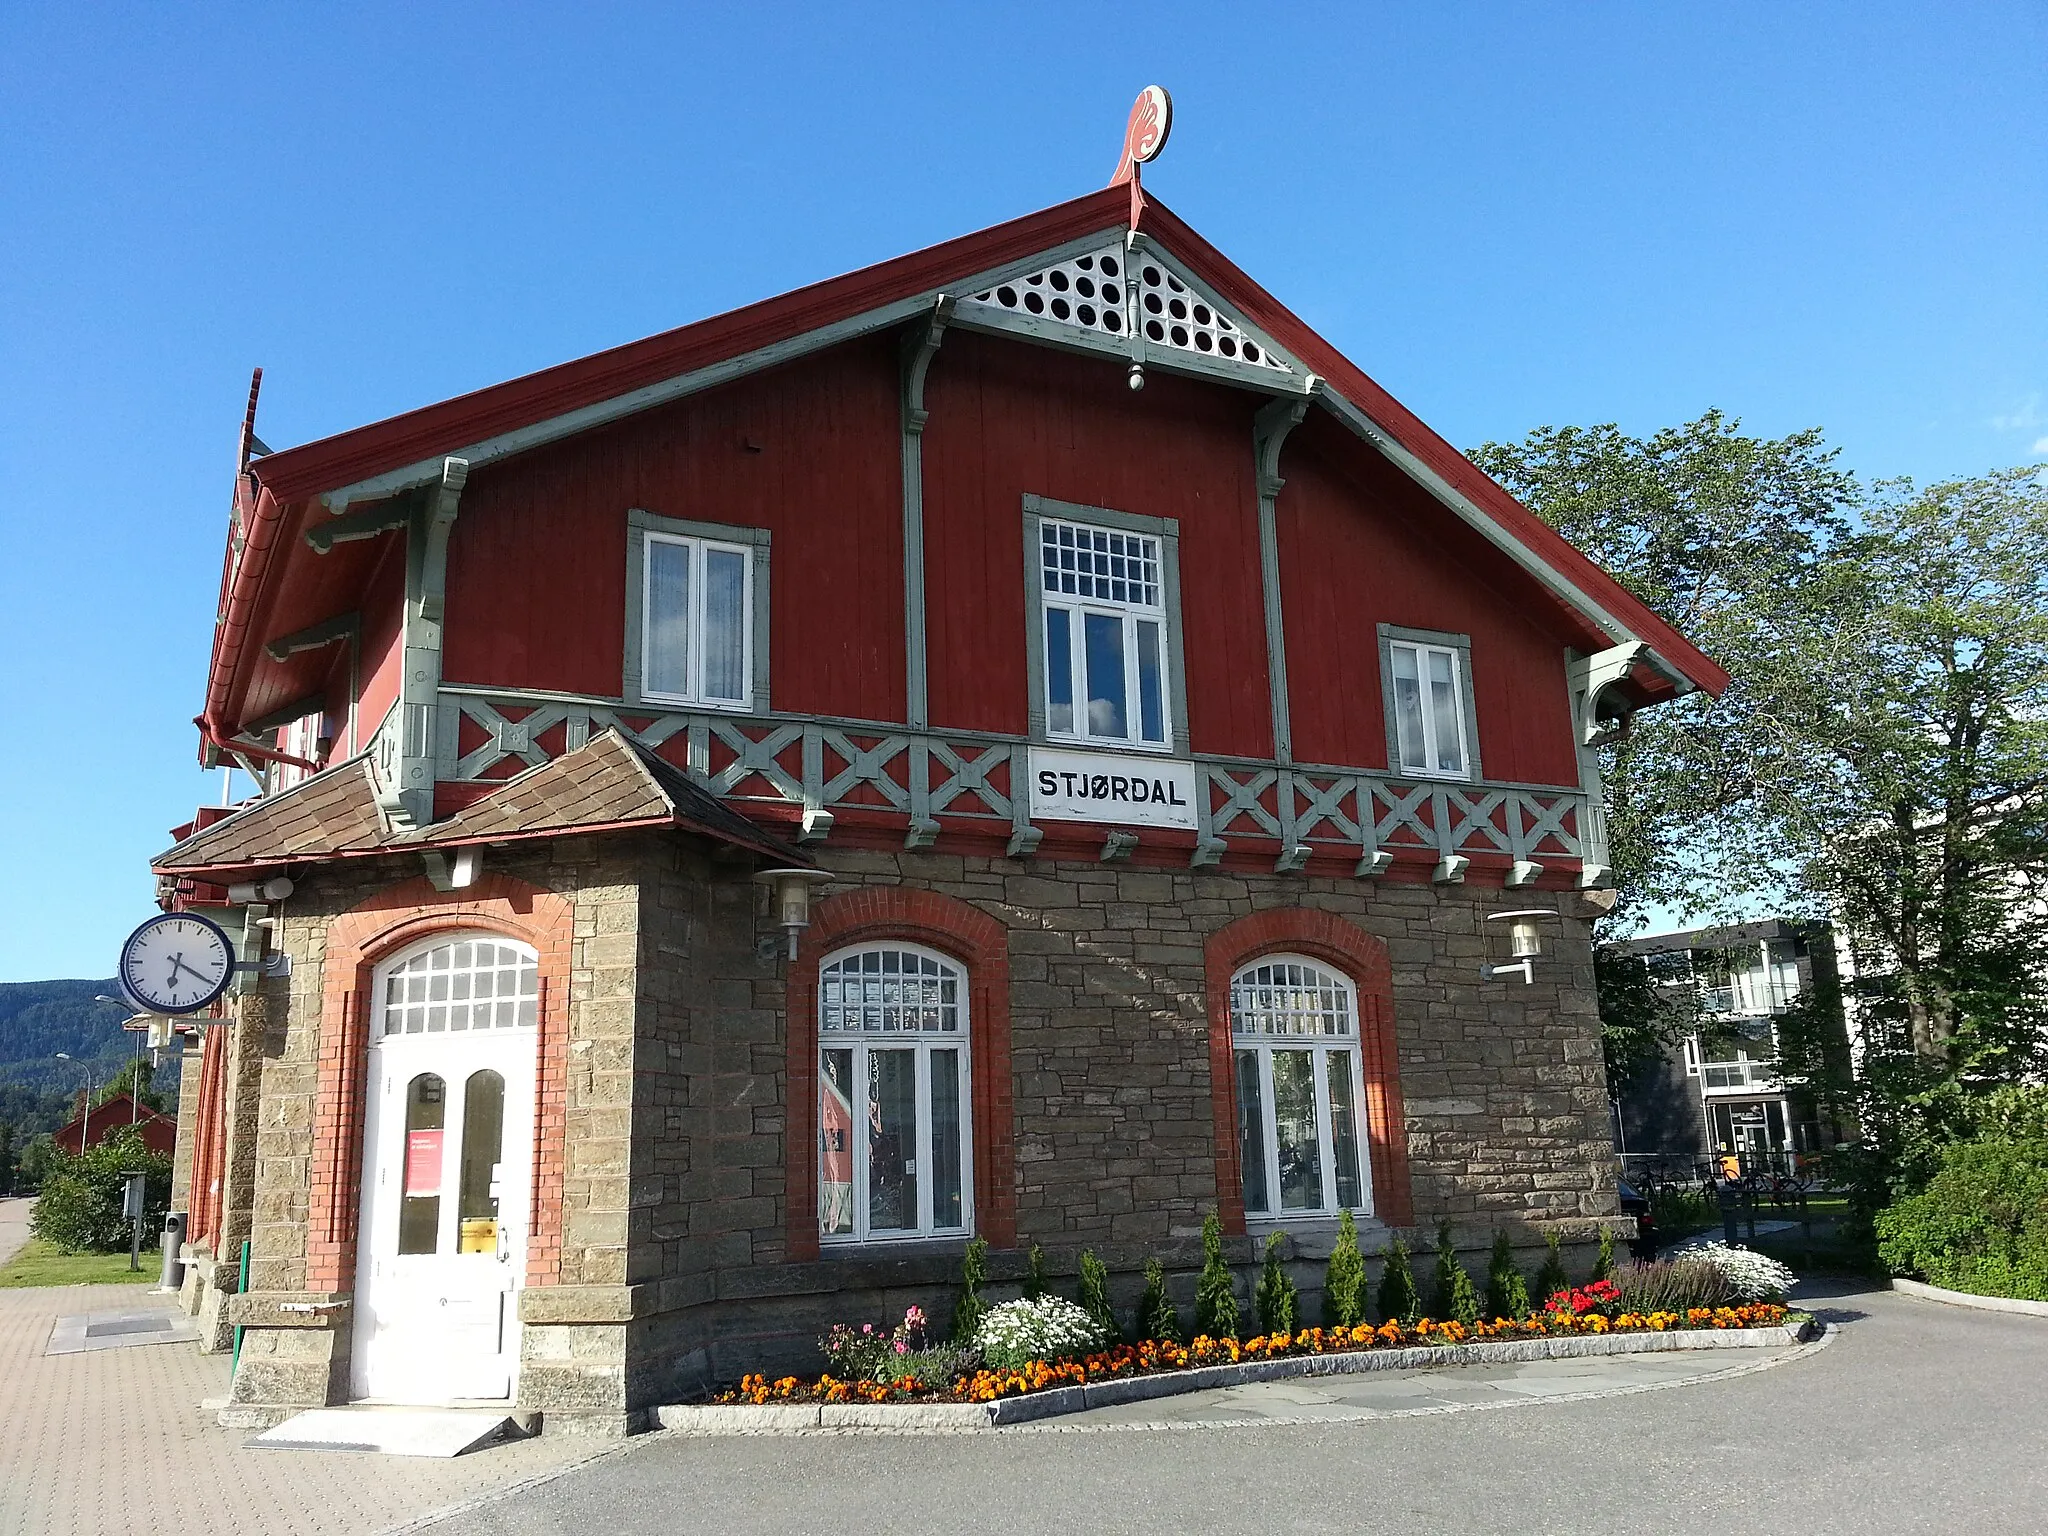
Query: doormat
x,y
391,1431
120,1330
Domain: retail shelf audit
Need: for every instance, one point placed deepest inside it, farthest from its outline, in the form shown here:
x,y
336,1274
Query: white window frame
x,y
437,986
1263,1045
645,529
862,1044
1426,643
1163,535
693,691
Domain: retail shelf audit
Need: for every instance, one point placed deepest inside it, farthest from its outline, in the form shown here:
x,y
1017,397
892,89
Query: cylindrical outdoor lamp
x,y
1518,939
792,888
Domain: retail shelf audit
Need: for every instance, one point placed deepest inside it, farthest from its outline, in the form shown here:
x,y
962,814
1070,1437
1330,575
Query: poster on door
x,y
422,1163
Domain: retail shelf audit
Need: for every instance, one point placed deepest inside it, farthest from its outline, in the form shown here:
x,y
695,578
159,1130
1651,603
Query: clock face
x,y
177,963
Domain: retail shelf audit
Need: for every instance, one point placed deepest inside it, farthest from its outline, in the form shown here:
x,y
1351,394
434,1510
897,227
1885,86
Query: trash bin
x,y
173,1277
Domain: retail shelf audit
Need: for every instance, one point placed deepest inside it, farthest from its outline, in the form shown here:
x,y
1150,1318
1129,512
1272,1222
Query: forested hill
x,y
40,1018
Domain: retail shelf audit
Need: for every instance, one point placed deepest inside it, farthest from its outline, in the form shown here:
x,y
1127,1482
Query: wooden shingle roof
x,y
610,783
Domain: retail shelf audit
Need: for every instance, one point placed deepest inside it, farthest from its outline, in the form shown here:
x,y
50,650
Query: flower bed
x,y
1155,1357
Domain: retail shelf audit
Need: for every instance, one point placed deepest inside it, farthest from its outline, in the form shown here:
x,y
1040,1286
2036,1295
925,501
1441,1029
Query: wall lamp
x,y
792,888
1521,937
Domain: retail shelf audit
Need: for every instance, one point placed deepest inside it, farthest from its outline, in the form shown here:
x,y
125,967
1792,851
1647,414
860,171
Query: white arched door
x,y
447,1172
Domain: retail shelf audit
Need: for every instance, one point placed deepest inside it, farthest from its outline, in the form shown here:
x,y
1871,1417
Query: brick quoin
x,y
1326,937
356,942
979,943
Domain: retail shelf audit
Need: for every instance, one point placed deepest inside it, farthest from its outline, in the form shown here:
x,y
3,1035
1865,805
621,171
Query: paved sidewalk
x,y
14,1226
1394,1394
114,1442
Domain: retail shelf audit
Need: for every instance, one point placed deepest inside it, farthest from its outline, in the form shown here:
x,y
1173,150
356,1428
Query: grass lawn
x,y
41,1263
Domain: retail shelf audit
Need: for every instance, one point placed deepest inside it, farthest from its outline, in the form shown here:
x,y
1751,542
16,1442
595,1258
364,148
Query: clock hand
x,y
178,964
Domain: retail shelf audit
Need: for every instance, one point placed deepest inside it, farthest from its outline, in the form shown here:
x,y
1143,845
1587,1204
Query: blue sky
x,y
1509,215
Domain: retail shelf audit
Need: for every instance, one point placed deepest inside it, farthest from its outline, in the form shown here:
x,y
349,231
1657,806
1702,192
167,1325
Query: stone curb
x,y
788,1418
1928,1292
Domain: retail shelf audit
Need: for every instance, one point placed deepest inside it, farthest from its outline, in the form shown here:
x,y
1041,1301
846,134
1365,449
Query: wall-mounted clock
x,y
177,962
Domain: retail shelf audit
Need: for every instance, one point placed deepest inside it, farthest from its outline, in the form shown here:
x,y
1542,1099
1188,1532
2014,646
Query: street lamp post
x,y
85,1114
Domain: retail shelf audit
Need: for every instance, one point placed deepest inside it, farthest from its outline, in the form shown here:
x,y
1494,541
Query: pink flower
x,y
902,1348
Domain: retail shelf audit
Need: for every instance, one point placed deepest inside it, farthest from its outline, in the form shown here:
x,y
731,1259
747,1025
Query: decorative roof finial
x,y
1145,134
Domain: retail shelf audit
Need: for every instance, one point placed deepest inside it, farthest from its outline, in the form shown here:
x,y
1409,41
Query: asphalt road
x,y
1918,1417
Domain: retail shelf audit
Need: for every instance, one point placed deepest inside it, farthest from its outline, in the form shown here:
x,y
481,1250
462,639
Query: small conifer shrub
x,y
1398,1302
1095,1296
1216,1292
1157,1317
970,1309
1279,1303
1035,1286
1344,1279
1603,1266
1443,1294
1507,1293
1551,1278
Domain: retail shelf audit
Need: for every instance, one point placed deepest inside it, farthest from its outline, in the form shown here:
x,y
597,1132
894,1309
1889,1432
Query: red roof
x,y
285,480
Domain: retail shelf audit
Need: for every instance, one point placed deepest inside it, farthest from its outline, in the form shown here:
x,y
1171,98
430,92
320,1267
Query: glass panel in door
x,y
426,1120
483,1155
1251,1131
1344,1130
947,1191
1295,1121
892,1140
835,1143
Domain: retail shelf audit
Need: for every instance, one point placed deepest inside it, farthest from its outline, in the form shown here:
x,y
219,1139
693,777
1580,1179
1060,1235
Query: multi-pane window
x,y
696,621
1105,634
1300,1088
893,1136
1427,689
462,984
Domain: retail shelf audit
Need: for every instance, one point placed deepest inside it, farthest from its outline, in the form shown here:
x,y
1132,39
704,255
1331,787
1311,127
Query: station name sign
x,y
1126,788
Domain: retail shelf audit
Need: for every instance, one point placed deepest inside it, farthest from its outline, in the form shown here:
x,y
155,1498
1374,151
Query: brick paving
x,y
114,1442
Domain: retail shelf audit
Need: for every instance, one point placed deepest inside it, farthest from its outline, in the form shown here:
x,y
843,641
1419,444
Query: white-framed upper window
x,y
459,985
1107,650
696,621
1300,1089
1428,694
895,1144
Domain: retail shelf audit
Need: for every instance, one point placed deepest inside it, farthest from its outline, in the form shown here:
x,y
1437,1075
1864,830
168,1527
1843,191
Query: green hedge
x,y
80,1206
1981,1224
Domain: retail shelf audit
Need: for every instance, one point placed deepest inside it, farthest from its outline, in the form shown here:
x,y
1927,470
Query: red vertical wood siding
x,y
1009,419
382,638
809,451
1362,545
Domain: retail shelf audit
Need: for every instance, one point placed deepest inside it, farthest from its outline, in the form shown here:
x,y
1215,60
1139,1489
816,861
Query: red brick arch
x,y
356,942
1326,937
979,943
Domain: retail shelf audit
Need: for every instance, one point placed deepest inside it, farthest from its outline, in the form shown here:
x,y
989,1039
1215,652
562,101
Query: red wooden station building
x,y
1025,740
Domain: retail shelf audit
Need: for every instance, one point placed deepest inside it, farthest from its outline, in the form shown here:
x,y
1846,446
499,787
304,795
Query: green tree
x,y
1398,1301
37,1160
1507,1293
1216,1292
134,1077
1551,1278
1344,1278
1880,757
1094,1297
79,1209
1035,1284
1158,1318
1278,1301
969,1310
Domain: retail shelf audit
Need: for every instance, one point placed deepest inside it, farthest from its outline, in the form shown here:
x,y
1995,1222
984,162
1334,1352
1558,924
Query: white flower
x,y
1752,1276
1046,1329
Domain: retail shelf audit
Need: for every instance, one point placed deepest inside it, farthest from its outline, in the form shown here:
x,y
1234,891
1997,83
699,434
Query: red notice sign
x,y
422,1163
